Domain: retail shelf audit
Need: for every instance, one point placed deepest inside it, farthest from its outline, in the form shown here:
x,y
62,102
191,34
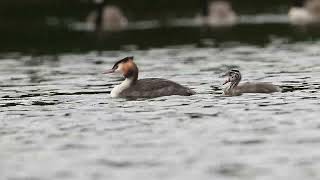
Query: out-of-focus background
x,y
58,26
58,121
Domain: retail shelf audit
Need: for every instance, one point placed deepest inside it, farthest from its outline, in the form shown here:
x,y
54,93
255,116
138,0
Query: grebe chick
x,y
220,13
110,19
234,89
132,87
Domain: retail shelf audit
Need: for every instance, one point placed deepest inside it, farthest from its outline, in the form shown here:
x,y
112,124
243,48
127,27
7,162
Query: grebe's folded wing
x,y
258,88
155,87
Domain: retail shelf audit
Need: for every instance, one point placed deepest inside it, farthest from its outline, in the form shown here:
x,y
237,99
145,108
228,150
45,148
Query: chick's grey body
x,y
252,88
155,87
234,89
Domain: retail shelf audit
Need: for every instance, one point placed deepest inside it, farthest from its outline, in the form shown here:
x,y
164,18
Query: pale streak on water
x,y
58,121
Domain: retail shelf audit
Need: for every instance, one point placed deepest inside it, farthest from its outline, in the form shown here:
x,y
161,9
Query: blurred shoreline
x,y
56,26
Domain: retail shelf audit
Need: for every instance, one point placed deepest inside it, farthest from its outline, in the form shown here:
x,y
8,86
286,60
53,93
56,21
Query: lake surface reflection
x,y
59,122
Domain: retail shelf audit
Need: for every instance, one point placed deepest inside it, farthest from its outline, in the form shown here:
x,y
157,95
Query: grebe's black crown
x,y
236,73
124,60
235,70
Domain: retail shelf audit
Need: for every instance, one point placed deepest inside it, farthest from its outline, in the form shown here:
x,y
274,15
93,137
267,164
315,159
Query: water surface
x,y
59,122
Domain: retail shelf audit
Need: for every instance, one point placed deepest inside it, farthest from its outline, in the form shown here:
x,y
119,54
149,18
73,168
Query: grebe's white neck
x,y
233,80
129,70
233,84
230,88
117,90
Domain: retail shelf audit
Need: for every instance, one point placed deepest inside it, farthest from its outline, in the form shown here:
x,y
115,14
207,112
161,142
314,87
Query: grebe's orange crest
x,y
129,68
122,61
126,67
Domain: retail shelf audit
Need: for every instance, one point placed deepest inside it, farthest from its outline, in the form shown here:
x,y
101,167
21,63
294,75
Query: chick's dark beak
x,y
227,81
109,71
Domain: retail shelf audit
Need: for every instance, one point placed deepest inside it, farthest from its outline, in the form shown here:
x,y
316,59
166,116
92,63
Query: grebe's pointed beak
x,y
109,71
226,82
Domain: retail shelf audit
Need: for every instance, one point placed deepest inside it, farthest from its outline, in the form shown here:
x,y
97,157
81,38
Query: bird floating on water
x,y
132,87
234,89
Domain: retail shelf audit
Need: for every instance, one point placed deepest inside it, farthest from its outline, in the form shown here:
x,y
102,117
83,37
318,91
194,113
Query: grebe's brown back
x,y
132,87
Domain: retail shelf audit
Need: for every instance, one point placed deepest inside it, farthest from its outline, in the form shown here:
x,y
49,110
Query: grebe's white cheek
x,y
232,78
119,69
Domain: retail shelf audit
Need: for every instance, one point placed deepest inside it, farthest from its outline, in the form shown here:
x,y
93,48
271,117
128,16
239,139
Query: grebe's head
x,y
220,9
126,67
233,76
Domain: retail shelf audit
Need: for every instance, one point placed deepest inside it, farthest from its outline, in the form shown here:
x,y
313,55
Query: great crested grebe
x,y
305,12
107,18
131,87
219,13
234,89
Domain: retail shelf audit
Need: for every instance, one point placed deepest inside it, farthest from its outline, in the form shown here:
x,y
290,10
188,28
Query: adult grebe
x,y
234,89
131,87
107,18
220,13
305,12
